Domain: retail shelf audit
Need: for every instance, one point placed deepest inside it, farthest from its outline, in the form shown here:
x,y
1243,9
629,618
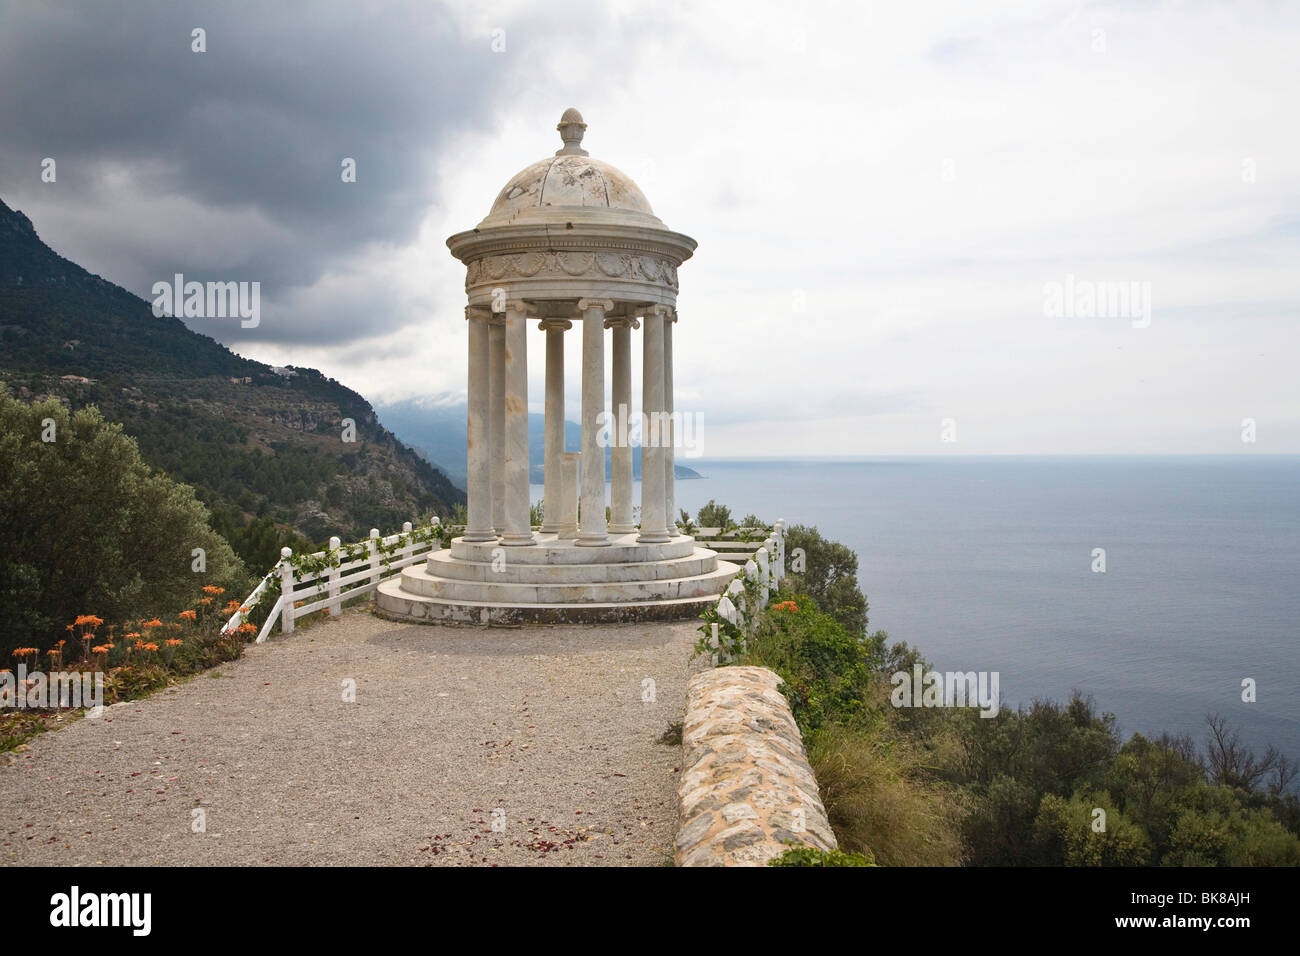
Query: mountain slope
x,y
256,442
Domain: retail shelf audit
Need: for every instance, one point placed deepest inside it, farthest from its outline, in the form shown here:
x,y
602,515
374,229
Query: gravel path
x,y
449,724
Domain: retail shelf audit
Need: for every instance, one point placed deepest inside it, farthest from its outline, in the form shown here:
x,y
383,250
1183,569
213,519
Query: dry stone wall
x,y
746,788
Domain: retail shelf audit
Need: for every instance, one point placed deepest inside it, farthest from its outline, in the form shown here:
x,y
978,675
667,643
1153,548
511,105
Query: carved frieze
x,y
636,267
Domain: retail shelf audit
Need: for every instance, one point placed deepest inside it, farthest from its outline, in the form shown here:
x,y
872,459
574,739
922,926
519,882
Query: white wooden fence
x,y
325,579
765,570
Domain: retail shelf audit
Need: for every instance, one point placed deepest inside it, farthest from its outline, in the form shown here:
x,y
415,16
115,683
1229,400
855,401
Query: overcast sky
x,y
882,194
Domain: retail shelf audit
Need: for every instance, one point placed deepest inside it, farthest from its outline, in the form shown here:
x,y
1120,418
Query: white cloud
x,y
914,174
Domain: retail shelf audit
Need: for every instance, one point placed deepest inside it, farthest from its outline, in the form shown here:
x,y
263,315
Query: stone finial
x,y
571,128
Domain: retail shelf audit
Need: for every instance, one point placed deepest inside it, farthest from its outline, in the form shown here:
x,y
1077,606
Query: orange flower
x,y
154,623
89,619
188,615
151,647
231,607
205,601
174,642
787,606
101,649
247,628
135,634
213,589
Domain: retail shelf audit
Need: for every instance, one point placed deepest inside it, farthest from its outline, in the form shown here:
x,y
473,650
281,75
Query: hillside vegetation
x,y
86,527
1047,784
264,449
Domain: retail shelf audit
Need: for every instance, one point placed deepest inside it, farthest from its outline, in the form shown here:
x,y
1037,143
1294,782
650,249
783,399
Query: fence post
x,y
286,592
780,549
372,546
435,543
336,608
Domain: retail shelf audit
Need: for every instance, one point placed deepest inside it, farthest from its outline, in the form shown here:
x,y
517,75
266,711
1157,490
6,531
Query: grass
x,y
19,726
672,737
879,801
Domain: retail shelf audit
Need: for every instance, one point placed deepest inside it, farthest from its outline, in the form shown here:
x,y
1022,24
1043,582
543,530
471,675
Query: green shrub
x,y
87,527
714,515
1069,833
829,576
811,856
826,670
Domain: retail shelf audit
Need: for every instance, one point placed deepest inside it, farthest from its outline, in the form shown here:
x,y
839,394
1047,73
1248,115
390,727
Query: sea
x,y
992,564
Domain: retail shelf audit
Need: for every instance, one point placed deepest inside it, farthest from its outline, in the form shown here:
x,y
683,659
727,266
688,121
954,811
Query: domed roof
x,y
555,187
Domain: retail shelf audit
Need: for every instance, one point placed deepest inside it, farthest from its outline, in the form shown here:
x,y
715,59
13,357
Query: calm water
x,y
985,564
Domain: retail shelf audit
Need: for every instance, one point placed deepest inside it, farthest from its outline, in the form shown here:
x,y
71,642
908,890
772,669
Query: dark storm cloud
x,y
253,131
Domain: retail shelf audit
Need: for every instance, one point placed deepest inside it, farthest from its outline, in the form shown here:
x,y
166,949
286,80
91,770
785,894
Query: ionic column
x,y
592,513
653,523
518,531
621,520
567,506
478,522
552,479
670,506
497,414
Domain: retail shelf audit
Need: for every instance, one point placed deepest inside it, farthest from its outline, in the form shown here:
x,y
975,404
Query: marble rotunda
x,y
570,241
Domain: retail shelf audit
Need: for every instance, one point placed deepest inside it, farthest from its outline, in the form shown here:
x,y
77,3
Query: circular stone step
x,y
623,549
396,605
444,564
418,581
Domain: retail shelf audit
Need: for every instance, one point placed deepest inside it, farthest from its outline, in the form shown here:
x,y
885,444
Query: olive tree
x,y
86,527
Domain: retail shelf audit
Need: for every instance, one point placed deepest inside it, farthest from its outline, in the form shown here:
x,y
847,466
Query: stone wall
x,y
746,787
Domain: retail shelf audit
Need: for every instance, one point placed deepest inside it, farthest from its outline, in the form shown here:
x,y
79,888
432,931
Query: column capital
x,y
655,309
517,305
605,305
480,312
622,322
548,325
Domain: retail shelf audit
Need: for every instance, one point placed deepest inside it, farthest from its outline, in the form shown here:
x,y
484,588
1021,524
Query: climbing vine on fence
x,y
750,604
314,565
731,635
